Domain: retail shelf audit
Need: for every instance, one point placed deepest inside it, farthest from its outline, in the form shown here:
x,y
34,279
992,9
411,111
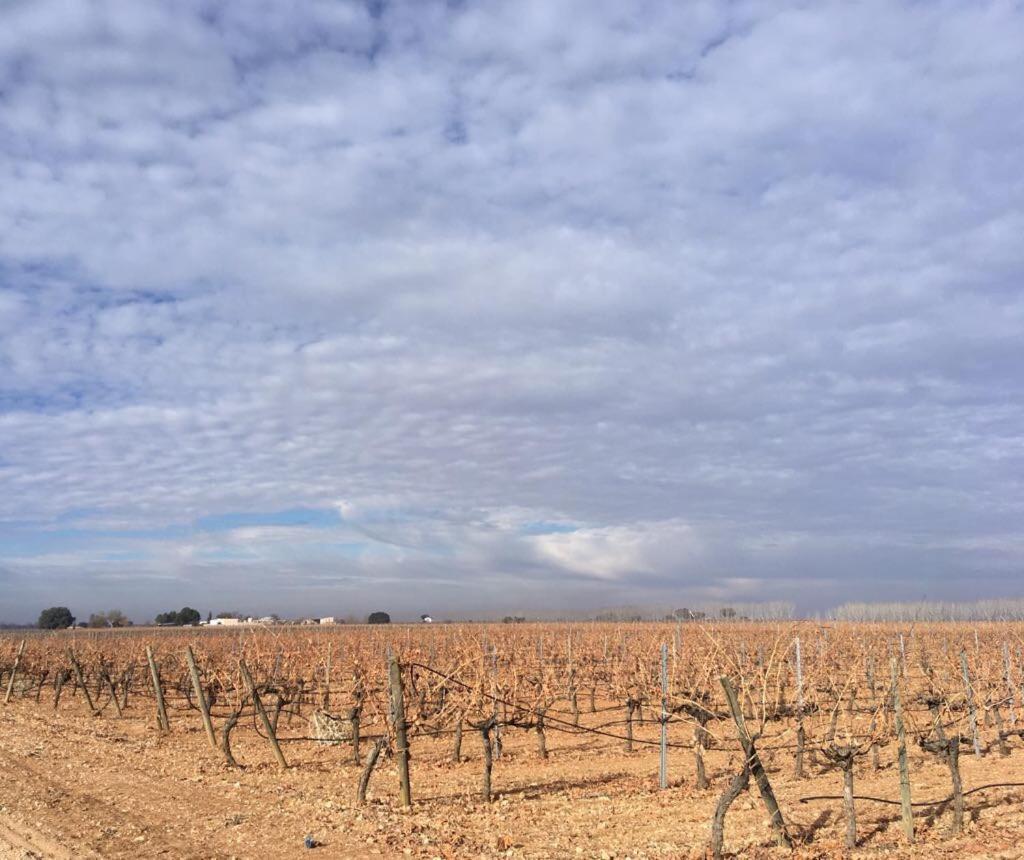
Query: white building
x,y
224,622
328,620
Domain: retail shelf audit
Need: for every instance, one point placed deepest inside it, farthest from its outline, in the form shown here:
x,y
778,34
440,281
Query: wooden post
x,y
14,672
113,692
161,711
58,685
906,809
401,739
197,685
753,761
80,680
261,712
126,683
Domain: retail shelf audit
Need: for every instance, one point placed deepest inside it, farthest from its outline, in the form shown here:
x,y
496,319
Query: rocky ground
x,y
78,786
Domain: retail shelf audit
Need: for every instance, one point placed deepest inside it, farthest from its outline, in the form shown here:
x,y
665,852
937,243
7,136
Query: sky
x,y
475,308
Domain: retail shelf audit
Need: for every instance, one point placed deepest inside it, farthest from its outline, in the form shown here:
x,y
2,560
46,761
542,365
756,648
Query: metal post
x,y
971,711
906,807
800,733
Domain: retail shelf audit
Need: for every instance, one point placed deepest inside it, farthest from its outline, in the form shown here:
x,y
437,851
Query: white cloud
x,y
687,278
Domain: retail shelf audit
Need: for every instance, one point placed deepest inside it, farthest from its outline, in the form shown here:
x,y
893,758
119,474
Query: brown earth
x,y
77,786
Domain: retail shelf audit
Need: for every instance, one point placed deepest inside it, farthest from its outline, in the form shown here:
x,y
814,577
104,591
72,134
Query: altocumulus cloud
x,y
495,306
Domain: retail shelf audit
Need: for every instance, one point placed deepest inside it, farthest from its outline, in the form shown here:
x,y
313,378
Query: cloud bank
x,y
482,306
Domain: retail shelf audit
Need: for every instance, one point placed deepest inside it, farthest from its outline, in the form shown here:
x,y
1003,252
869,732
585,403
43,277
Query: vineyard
x,y
657,740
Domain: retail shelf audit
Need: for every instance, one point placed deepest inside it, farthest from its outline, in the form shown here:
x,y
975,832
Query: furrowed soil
x,y
84,787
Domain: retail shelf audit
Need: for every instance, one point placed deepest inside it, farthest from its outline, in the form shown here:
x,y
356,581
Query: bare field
x,y
79,784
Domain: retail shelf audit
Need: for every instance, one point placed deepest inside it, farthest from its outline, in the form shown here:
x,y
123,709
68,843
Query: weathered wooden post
x,y
113,691
58,685
401,739
753,761
261,712
197,685
14,672
161,711
80,680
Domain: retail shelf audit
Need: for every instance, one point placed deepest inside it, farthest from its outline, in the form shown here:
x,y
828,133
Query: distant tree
x,y
113,618
727,612
183,617
188,615
209,617
56,618
378,618
116,618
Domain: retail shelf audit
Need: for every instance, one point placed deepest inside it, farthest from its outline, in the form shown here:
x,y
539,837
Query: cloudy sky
x,y
477,307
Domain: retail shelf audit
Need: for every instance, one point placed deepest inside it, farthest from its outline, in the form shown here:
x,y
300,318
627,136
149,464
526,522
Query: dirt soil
x,y
74,786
